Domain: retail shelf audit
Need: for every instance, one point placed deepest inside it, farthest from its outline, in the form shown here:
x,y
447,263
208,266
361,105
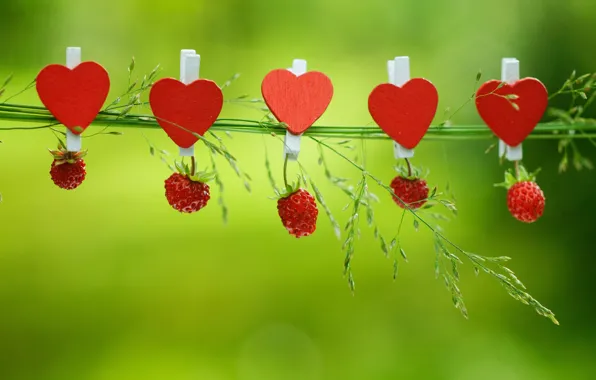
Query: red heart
x,y
297,101
181,108
510,124
406,112
75,96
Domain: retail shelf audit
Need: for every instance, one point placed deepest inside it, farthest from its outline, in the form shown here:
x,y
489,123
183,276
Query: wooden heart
x,y
182,109
74,96
297,101
513,119
404,113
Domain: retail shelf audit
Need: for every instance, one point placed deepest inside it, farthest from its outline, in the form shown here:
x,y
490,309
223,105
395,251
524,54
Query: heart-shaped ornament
x,y
181,109
74,96
297,101
512,111
404,113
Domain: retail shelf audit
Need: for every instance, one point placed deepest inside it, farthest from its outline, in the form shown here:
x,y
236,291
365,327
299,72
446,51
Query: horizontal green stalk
x,y
40,115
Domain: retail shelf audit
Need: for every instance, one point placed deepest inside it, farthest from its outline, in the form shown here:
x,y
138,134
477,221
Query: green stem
x,y
286,172
586,129
409,167
193,165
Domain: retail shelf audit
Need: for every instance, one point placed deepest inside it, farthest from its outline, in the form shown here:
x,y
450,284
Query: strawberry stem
x,y
409,167
516,169
193,166
286,172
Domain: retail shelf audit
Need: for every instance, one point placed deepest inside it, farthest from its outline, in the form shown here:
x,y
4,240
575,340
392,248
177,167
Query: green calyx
x,y
410,173
198,176
62,156
288,190
522,175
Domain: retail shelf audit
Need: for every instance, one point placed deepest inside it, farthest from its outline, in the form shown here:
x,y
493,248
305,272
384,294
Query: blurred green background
x,y
108,282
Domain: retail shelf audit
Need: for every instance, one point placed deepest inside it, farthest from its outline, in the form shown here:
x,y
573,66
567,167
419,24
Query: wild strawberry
x,y
525,199
412,191
186,192
298,212
68,168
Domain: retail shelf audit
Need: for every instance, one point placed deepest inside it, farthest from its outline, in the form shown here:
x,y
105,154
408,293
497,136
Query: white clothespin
x,y
190,64
73,59
399,73
291,141
510,75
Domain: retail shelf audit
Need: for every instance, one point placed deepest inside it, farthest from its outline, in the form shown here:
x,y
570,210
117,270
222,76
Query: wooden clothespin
x,y
292,141
398,70
510,75
73,59
190,65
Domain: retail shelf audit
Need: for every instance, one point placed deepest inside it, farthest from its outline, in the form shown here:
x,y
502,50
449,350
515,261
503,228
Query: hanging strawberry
x,y
298,211
187,190
525,199
68,168
409,188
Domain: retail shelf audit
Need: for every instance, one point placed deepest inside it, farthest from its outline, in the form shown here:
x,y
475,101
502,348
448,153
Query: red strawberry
x,y
68,168
298,212
525,199
185,192
412,191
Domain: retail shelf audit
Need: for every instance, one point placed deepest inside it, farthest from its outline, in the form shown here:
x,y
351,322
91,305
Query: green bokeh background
x,y
108,282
